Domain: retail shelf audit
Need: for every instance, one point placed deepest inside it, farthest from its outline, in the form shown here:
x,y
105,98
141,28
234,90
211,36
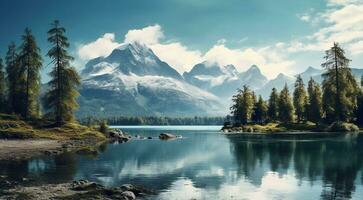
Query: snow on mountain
x,y
278,83
132,80
223,81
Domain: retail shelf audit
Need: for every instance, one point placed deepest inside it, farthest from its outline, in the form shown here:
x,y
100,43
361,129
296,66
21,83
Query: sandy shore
x,y
24,149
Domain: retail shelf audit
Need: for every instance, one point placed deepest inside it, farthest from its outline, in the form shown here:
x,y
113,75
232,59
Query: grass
x,y
12,127
294,127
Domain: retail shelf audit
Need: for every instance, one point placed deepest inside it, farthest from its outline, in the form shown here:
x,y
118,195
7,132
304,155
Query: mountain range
x,y
133,81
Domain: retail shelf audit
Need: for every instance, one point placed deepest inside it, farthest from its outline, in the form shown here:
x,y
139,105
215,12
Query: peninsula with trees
x,y
334,106
26,112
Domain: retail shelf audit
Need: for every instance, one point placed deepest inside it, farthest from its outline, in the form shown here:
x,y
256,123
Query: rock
x,y
149,138
167,136
83,185
129,195
137,190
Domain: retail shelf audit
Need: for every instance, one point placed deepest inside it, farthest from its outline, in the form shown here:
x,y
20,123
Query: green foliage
x,y
104,127
359,111
314,106
153,120
2,88
15,81
259,114
340,126
340,88
273,105
242,107
299,99
286,108
61,99
30,62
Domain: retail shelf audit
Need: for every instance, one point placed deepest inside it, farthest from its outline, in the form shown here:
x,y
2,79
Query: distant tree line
x,y
152,120
20,79
340,98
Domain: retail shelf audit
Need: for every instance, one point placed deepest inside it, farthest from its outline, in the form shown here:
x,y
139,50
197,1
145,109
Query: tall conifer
x,y
3,105
61,99
286,107
30,62
273,107
299,99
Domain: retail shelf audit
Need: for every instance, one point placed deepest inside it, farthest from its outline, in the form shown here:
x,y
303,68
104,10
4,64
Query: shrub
x,y
343,127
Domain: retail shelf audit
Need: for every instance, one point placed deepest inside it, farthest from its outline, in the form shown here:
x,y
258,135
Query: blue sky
x,y
280,36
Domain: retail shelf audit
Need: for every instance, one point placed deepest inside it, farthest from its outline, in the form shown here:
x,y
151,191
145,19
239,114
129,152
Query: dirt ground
x,y
24,149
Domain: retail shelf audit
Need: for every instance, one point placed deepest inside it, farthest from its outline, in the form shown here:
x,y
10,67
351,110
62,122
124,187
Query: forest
x,y
153,120
337,103
20,82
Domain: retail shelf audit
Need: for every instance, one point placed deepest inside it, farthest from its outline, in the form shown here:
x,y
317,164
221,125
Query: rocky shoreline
x,y
80,189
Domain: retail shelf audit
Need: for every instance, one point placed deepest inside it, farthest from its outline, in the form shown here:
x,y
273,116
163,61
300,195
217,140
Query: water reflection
x,y
207,165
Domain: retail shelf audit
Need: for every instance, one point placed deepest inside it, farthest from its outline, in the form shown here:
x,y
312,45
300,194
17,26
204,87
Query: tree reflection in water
x,y
336,161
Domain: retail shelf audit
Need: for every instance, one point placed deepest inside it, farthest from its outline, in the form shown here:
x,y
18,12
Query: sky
x,y
280,36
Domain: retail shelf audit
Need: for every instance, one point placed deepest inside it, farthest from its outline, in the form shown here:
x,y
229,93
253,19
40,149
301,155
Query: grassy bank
x,y
292,127
11,127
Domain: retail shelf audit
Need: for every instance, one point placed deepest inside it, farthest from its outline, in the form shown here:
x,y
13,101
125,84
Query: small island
x,y
336,106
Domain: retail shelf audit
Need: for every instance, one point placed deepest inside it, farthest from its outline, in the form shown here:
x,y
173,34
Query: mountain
x,y
278,83
312,72
132,58
253,78
133,81
223,81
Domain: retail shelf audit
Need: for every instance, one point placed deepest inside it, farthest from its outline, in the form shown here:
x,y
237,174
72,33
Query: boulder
x,y
128,195
167,136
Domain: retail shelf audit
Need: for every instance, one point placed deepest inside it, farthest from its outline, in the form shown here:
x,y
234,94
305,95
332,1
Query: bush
x,y
104,127
343,127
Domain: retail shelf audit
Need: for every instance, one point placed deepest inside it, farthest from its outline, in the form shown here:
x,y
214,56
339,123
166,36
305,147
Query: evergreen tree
x,y
15,81
286,107
273,105
61,99
260,111
3,105
359,112
314,106
242,107
340,88
30,64
300,99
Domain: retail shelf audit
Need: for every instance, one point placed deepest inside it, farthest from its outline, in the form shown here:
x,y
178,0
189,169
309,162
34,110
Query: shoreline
x,y
24,149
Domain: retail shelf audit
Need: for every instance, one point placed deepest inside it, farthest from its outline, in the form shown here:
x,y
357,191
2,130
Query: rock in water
x,y
167,136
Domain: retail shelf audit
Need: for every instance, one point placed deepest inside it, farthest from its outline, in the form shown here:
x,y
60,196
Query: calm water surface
x,y
207,165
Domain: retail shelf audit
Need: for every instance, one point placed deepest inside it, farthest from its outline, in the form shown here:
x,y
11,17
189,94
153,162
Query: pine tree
x,y
299,99
340,88
314,106
286,108
273,105
242,107
260,111
61,99
30,64
15,81
3,105
359,111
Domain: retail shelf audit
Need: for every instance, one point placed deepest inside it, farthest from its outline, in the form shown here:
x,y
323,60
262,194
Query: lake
x,y
205,164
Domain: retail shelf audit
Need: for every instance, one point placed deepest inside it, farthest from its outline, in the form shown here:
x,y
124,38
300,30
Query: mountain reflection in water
x,y
207,165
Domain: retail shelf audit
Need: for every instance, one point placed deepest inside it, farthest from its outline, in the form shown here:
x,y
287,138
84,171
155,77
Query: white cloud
x,y
183,58
305,18
103,46
342,23
341,2
148,35
177,55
